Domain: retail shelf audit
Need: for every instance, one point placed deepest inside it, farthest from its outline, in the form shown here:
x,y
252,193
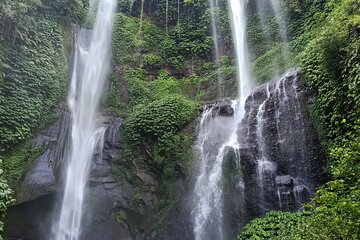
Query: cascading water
x,y
217,137
212,146
272,9
214,8
245,82
266,168
91,65
275,121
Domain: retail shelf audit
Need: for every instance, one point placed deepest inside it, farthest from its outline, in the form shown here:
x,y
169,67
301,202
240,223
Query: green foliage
x,y
337,205
164,85
120,216
330,63
337,211
114,104
272,63
346,157
152,61
137,87
18,160
33,64
276,225
6,198
159,119
124,40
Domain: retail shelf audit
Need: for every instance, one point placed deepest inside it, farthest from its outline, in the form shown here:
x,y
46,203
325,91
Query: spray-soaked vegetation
x,y
327,48
164,70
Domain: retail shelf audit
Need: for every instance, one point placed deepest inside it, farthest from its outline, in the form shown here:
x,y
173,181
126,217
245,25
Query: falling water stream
x,y
91,65
217,136
266,10
214,9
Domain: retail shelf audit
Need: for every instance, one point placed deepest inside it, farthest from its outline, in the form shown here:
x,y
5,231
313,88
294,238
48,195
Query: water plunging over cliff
x,y
218,137
269,10
91,65
214,8
280,149
214,141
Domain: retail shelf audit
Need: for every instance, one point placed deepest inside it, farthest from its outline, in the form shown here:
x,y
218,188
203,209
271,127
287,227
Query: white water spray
x,y
218,135
214,8
238,15
91,65
272,8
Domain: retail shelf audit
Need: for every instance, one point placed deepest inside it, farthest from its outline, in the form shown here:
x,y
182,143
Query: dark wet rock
x,y
30,220
291,145
39,180
221,108
284,181
104,196
224,109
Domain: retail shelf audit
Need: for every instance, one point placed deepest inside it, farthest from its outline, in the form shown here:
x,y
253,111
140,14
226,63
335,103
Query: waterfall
x,y
272,9
218,135
280,21
245,82
91,65
282,158
266,168
214,8
214,141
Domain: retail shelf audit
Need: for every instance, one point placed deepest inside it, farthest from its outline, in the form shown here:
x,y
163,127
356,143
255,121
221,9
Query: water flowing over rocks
x,y
281,156
290,155
36,199
275,164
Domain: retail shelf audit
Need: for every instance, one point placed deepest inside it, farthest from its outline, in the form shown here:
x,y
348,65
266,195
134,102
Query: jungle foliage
x,y
161,61
33,68
327,48
34,40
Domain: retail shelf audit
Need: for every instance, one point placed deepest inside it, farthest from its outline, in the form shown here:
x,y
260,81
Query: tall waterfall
x,y
91,65
279,156
214,8
245,82
215,139
268,10
218,137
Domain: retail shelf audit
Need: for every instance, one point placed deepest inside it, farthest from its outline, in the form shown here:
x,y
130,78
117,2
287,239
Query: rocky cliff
x,y
281,164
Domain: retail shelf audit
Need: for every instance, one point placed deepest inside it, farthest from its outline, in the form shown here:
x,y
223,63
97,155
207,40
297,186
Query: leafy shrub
x,y
6,198
331,69
160,118
114,104
276,225
152,61
164,85
124,40
34,81
337,211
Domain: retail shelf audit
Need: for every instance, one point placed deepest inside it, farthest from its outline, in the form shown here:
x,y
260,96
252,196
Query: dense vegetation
x,y
34,43
327,48
163,70
162,64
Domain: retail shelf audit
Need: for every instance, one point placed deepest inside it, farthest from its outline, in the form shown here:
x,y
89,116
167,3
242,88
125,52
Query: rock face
x,y
281,157
280,165
32,217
